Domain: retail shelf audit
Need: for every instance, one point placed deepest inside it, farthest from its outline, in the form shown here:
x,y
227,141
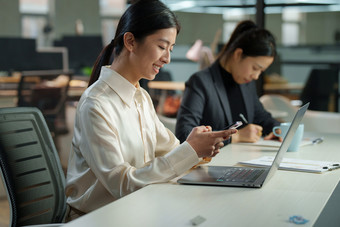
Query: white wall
x,y
67,12
180,67
198,26
321,27
10,19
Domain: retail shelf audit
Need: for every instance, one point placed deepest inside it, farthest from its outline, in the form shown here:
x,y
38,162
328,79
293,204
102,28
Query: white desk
x,y
286,194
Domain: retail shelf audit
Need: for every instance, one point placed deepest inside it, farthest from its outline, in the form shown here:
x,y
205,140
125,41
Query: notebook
x,y
243,176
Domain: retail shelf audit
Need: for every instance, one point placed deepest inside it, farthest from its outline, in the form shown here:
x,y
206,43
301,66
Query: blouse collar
x,y
124,89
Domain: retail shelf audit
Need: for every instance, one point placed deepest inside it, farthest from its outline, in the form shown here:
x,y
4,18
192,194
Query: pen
x,y
317,140
243,118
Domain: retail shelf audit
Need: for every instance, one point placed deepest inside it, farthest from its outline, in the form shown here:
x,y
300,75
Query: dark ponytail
x,y
142,18
252,40
103,59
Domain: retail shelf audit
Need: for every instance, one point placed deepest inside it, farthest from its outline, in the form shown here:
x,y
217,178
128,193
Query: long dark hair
x,y
254,41
142,18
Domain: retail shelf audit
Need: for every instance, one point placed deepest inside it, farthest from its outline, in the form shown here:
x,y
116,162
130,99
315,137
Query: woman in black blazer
x,y
217,95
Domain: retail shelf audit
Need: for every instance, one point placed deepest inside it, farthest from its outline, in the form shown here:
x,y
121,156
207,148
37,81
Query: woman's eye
x,y
162,48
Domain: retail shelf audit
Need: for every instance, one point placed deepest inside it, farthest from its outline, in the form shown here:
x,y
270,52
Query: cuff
x,y
182,158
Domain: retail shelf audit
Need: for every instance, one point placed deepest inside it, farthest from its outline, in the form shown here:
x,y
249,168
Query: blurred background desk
x,y
161,90
270,87
48,90
289,90
166,85
9,86
316,197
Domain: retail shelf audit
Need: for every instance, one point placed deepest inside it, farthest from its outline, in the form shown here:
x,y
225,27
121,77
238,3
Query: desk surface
x,y
287,193
283,86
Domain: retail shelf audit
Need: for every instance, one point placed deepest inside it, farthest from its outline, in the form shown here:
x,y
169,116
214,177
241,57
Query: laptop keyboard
x,y
241,175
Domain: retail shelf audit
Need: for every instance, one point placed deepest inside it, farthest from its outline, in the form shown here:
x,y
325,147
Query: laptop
x,y
243,176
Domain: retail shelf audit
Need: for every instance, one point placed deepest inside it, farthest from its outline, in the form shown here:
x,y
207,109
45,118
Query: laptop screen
x,y
287,140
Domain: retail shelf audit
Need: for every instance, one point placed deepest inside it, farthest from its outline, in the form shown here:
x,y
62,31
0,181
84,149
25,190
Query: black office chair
x,y
37,89
30,168
321,90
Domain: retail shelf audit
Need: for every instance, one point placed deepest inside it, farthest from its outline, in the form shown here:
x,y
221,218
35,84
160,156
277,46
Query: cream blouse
x,y
119,145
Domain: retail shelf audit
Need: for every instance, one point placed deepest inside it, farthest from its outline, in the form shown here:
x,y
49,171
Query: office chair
x,y
168,122
314,121
280,104
321,90
30,168
47,91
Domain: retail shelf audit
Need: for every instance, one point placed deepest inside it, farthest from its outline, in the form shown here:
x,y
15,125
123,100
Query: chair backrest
x,y
168,122
278,103
315,121
7,179
31,168
321,90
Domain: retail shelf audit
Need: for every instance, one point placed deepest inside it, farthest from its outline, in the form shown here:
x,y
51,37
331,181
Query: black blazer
x,y
205,102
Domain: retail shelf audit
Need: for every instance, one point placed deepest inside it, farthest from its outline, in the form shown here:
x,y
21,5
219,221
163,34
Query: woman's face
x,y
247,69
152,53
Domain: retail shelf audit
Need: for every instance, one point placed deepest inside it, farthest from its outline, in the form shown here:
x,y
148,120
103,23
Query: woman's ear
x,y
129,41
238,54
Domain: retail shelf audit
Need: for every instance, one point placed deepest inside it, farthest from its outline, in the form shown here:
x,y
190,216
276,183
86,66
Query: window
x,y
110,11
291,26
33,6
231,17
109,27
112,7
34,20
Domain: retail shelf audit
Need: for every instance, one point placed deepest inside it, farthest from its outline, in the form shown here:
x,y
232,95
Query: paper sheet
x,y
295,164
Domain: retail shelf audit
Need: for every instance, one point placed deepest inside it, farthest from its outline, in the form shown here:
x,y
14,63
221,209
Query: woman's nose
x,y
256,75
166,57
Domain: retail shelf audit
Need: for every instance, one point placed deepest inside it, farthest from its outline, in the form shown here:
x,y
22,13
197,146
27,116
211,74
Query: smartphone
x,y
234,125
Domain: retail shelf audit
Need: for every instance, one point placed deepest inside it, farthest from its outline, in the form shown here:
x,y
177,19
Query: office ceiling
x,y
248,6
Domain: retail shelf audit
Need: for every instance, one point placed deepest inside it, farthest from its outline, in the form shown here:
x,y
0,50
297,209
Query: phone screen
x,y
234,125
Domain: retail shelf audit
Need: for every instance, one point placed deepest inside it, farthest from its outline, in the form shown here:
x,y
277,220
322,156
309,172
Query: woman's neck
x,y
119,65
